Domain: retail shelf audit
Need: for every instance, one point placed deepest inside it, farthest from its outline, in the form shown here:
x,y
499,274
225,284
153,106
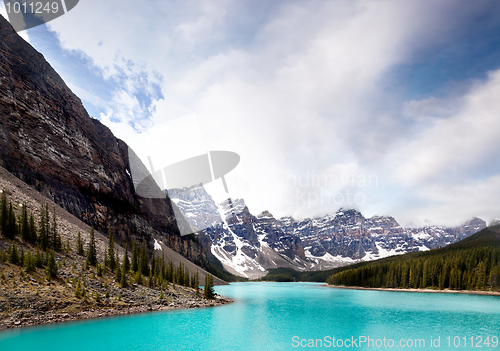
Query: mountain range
x,y
248,245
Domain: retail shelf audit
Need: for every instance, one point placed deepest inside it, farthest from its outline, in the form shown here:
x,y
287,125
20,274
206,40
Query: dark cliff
x,y
48,140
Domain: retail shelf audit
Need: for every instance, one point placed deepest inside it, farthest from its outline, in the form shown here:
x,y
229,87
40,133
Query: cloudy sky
x,y
389,107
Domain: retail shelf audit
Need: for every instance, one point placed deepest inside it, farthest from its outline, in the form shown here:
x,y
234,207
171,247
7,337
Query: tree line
x,y
153,272
44,235
466,268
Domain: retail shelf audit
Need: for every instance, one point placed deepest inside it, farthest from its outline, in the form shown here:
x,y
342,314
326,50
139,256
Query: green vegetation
x,y
78,290
470,264
209,286
23,229
23,233
291,275
79,245
109,259
51,266
92,251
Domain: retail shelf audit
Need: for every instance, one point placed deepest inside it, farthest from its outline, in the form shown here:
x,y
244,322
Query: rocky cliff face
x,y
48,140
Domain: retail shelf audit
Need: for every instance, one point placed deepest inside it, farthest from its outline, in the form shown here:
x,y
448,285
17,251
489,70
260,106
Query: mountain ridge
x,y
248,245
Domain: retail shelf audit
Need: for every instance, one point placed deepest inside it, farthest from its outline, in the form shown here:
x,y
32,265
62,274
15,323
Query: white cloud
x,y
457,145
299,91
451,167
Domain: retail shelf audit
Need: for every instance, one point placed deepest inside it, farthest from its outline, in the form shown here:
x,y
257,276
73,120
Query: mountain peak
x,y
265,214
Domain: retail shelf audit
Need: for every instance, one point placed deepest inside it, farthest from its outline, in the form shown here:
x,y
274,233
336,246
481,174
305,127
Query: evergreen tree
x,y
170,272
163,270
153,264
197,283
124,281
91,251
143,260
11,229
25,230
135,260
78,292
51,266
150,279
112,263
21,257
13,255
186,277
138,277
3,214
56,242
38,259
79,245
126,261
117,260
209,286
32,229
43,235
29,262
118,274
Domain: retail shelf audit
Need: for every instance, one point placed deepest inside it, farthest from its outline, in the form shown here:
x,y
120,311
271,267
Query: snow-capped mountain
x,y
248,245
348,237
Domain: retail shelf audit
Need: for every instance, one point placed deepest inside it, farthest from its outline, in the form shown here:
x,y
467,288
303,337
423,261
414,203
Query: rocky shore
x,y
26,318
33,299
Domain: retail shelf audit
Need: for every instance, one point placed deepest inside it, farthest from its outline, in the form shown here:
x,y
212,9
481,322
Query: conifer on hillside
x,y
51,266
43,230
3,213
25,230
143,260
126,261
91,251
209,286
135,259
55,237
112,263
79,245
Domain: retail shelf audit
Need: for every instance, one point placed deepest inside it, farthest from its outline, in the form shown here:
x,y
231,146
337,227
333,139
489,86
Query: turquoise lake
x,y
286,316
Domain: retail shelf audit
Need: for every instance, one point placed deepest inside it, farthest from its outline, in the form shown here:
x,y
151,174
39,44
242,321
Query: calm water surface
x,y
285,316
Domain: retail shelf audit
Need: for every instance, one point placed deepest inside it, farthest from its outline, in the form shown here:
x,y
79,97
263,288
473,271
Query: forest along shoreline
x,y
30,295
42,286
23,318
53,268
446,291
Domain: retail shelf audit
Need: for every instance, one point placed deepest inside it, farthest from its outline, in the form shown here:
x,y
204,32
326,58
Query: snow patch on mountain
x,y
248,245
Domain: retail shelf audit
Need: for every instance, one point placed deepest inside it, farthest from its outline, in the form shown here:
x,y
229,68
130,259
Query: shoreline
x,y
445,291
96,313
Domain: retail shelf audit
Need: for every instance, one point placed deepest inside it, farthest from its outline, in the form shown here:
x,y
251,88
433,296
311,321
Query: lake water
x,y
286,316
